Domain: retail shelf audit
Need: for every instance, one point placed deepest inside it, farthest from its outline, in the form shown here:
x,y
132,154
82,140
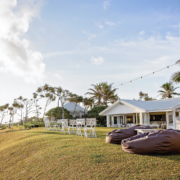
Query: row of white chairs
x,y
79,126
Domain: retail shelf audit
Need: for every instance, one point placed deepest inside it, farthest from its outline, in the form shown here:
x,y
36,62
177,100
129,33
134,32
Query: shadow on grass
x,y
51,132
172,157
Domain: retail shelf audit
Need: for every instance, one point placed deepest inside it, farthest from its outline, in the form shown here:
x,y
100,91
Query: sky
x,y
74,44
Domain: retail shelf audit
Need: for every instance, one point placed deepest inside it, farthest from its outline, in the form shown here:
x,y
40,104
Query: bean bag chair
x,y
160,142
118,135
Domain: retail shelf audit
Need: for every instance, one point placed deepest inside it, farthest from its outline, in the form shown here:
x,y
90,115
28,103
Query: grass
x,y
40,154
13,128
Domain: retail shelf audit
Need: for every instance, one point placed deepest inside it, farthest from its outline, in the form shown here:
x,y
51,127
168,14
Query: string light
x,y
167,67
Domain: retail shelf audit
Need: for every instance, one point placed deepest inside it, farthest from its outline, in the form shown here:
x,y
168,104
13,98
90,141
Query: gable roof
x,y
71,106
156,105
163,104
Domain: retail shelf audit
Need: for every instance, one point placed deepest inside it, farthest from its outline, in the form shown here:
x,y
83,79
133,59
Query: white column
x,y
123,119
174,119
118,121
112,119
108,120
148,119
141,118
134,119
145,119
167,120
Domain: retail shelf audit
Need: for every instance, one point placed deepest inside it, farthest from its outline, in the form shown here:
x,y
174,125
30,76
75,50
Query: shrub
x,y
94,113
34,124
57,113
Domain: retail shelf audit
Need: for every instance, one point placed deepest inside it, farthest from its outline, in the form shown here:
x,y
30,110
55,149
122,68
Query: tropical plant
x,y
36,99
54,112
145,97
87,103
176,76
46,93
168,90
63,96
13,110
94,113
27,107
3,112
108,93
95,93
75,99
103,93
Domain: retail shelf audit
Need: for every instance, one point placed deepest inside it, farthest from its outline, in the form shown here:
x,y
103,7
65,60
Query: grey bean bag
x,y
160,142
118,135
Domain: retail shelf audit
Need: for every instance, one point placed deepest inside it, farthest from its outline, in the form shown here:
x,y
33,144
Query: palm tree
x,y
108,93
176,76
95,93
103,91
168,90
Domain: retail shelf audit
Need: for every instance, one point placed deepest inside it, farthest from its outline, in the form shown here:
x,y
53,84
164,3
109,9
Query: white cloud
x,y
141,32
58,76
110,23
90,36
15,55
106,4
100,26
97,61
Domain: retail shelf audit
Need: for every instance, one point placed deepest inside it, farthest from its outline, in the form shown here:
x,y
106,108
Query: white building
x,y
79,111
144,112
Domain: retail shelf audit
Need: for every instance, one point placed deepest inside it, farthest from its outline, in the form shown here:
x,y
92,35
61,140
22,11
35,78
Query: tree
x,y
46,93
76,99
3,112
176,76
103,93
13,110
145,97
95,93
63,96
94,113
108,93
35,102
54,112
87,102
168,90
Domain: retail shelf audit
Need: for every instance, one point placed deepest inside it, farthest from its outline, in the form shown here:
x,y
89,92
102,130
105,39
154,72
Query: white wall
x,y
121,109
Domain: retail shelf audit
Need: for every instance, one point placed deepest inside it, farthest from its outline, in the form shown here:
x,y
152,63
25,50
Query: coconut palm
x,y
103,93
168,90
95,93
108,93
176,76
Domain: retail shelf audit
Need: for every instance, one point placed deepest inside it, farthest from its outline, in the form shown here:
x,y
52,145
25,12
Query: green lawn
x,y
40,154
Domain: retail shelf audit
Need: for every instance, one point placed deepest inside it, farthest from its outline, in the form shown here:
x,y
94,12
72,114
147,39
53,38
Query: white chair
x,y
89,129
53,123
58,123
64,125
47,124
80,123
72,127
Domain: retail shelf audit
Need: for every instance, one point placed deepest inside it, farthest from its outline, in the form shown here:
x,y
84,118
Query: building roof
x,y
71,106
163,104
145,106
